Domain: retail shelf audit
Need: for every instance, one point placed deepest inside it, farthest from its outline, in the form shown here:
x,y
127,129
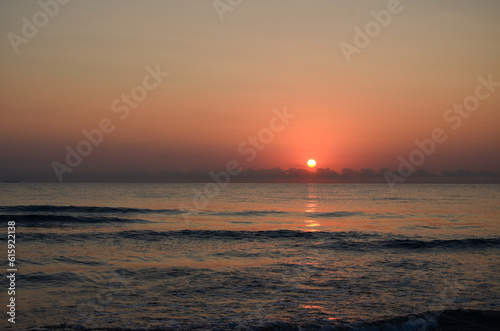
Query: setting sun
x,y
311,163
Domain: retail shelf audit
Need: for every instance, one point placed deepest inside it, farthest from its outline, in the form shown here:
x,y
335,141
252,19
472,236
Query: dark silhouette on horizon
x,y
272,175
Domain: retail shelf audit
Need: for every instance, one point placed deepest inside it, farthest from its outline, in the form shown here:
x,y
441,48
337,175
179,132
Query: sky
x,y
351,84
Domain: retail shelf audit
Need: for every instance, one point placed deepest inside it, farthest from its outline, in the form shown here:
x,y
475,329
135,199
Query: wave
x,y
456,319
41,210
84,210
357,241
153,236
451,243
248,213
337,214
44,221
60,279
410,244
52,209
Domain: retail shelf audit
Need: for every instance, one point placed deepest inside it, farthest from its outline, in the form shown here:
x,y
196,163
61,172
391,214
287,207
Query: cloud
x,y
272,175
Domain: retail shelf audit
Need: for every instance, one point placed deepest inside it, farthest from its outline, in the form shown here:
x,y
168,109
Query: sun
x,y
311,163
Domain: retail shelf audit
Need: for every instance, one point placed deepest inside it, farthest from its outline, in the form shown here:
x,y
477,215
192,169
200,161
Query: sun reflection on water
x,y
311,208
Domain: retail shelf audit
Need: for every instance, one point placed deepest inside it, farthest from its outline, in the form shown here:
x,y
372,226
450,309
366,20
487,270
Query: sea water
x,y
249,256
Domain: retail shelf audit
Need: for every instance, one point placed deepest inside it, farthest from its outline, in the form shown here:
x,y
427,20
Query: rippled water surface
x,y
312,255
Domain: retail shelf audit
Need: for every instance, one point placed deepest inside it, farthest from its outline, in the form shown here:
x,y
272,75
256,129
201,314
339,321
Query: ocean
x,y
253,256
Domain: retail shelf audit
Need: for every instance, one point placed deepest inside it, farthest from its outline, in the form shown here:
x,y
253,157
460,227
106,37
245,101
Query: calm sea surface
x,y
252,255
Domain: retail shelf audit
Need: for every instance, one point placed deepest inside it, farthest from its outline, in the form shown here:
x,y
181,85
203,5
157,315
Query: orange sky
x,y
226,77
